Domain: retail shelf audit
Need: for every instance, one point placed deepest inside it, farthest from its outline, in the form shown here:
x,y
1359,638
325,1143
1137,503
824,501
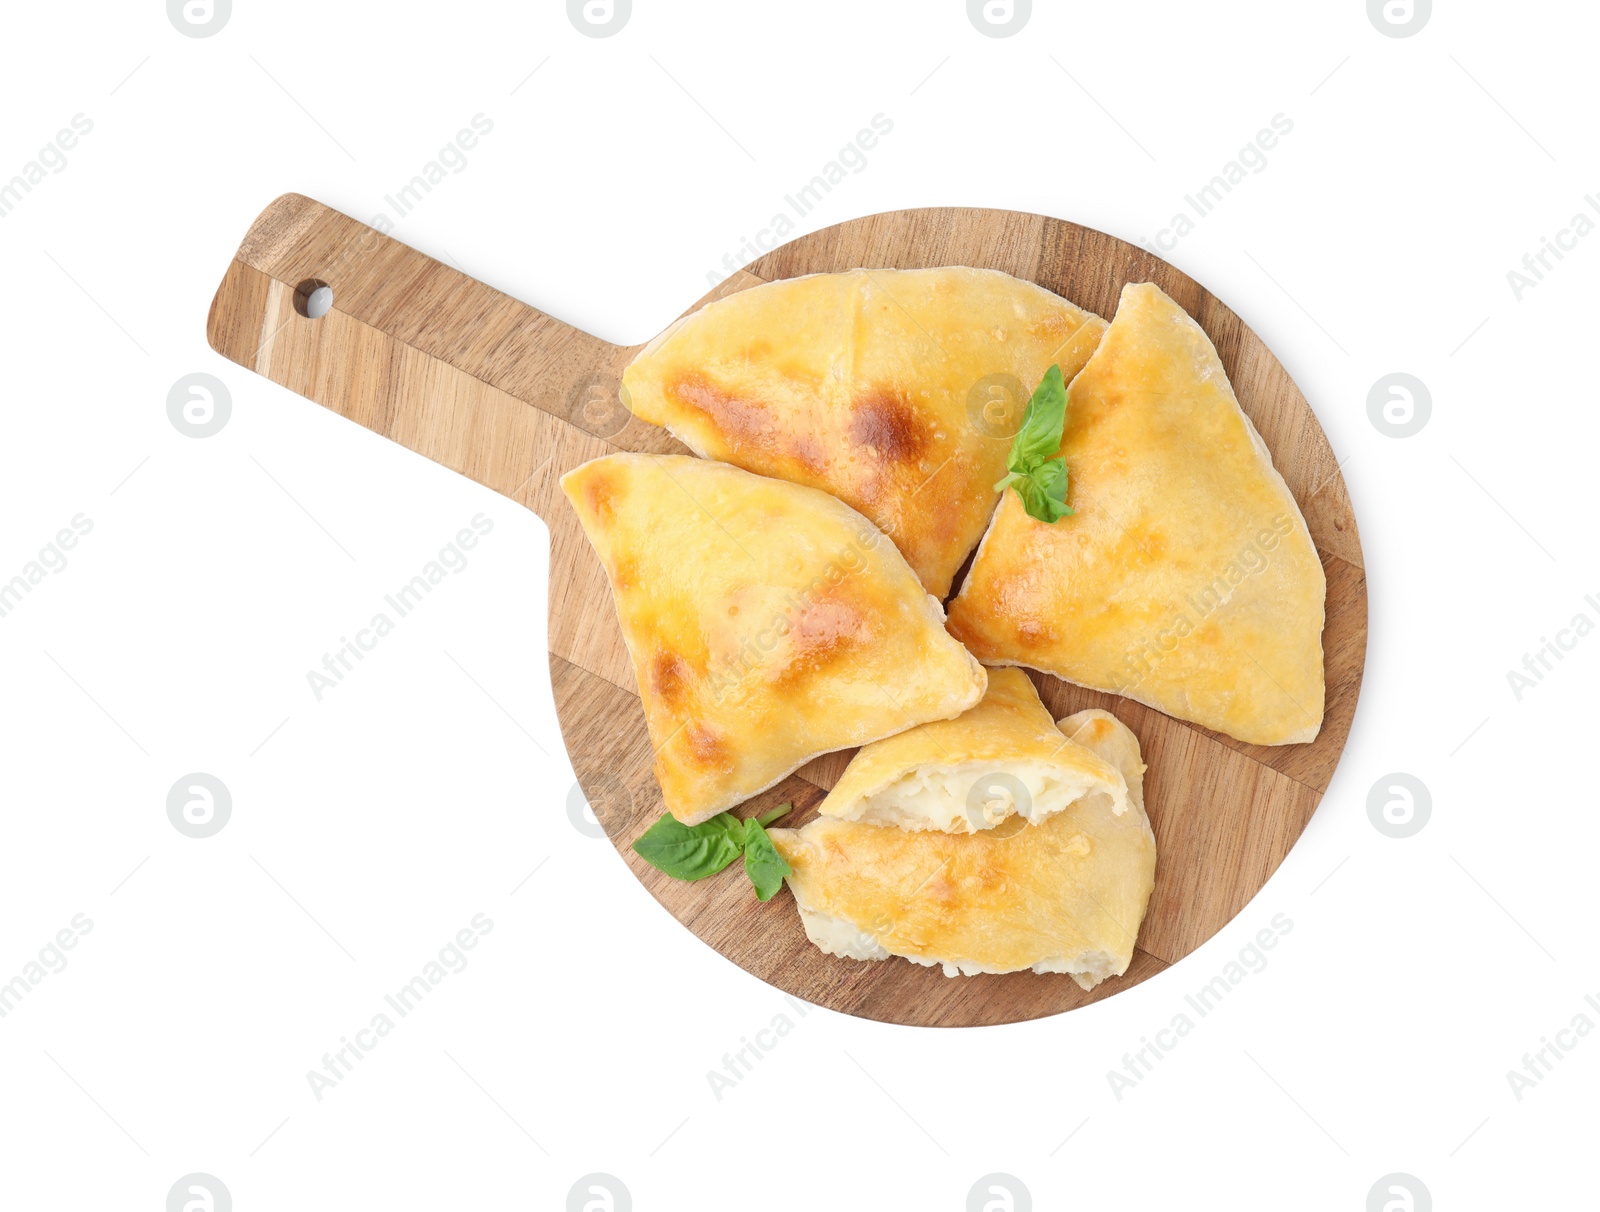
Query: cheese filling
x,y
970,796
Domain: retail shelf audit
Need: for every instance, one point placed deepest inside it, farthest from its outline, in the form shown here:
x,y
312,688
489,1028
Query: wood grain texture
x,y
513,398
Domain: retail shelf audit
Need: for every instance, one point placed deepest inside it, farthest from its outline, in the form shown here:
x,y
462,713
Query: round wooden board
x,y
505,394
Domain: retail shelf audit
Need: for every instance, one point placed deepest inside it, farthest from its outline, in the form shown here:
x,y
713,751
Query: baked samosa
x,y
1067,895
898,391
767,623
1185,578
1003,758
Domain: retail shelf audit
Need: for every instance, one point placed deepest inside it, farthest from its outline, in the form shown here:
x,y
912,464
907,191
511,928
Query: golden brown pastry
x,y
767,622
1067,895
1005,757
1186,578
1112,741
898,391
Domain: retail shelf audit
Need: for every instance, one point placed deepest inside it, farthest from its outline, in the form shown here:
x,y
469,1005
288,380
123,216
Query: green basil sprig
x,y
1037,472
692,852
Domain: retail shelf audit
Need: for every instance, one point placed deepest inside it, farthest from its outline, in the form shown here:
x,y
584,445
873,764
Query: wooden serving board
x,y
513,398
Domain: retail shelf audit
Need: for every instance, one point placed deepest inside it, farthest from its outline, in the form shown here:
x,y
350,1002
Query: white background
x,y
371,826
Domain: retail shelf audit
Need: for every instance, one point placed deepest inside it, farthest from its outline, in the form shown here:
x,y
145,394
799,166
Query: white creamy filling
x,y
971,796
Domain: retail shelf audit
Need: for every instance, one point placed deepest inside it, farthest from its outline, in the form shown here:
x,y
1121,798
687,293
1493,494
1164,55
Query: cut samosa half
x,y
1003,758
767,622
1067,895
898,391
1185,578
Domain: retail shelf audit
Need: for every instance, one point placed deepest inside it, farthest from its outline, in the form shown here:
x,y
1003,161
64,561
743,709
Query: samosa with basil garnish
x,y
1184,576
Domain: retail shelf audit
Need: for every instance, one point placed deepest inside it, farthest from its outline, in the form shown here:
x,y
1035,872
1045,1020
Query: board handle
x,y
448,367
421,353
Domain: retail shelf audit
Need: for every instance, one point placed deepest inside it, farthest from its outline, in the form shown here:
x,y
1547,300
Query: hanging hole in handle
x,y
313,298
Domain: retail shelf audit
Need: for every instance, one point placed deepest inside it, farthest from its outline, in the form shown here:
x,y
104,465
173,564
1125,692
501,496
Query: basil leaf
x,y
1051,477
1032,497
1040,435
730,825
1037,470
691,852
762,862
